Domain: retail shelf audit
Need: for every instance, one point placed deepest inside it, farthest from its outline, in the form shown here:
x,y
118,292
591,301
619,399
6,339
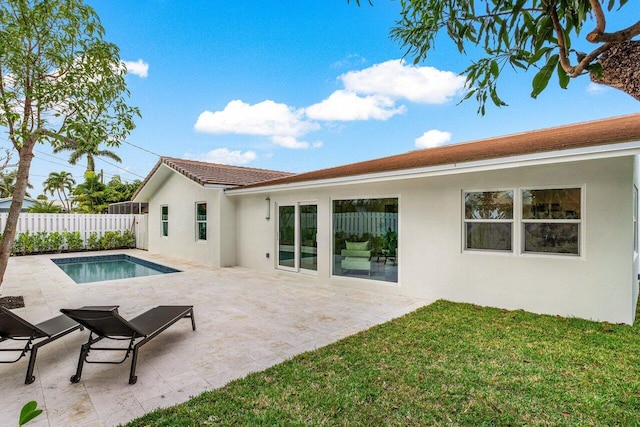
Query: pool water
x,y
89,269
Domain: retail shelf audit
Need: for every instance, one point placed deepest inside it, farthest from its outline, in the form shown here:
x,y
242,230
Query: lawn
x,y
445,364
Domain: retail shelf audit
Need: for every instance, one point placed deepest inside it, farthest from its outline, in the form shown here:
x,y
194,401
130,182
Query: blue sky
x,y
301,85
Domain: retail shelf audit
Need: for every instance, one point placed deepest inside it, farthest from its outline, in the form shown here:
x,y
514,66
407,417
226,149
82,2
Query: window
x,y
164,220
201,221
488,220
551,221
365,238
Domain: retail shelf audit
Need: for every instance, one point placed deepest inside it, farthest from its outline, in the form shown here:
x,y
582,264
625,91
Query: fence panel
x,y
84,223
358,223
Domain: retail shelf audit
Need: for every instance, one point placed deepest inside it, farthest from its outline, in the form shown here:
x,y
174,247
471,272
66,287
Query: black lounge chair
x,y
105,322
14,327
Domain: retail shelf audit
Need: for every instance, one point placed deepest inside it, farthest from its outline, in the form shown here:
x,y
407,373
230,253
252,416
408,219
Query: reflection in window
x,y
488,220
164,220
551,220
201,221
365,238
286,235
308,250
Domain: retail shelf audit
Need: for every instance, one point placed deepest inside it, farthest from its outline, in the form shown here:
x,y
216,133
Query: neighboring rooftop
x,y
588,134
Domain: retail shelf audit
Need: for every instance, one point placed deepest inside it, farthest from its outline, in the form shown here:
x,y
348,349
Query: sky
x,y
304,85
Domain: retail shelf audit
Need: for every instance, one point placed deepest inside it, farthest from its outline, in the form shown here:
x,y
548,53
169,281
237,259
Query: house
x,y
5,204
545,221
189,215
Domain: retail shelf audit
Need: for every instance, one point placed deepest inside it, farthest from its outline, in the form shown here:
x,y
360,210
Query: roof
x,y
213,174
574,136
25,199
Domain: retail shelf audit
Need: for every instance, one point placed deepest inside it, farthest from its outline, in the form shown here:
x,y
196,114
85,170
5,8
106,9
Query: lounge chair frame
x,y
18,329
136,329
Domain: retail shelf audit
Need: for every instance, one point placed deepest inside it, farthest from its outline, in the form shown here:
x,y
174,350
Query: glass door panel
x,y
308,247
286,236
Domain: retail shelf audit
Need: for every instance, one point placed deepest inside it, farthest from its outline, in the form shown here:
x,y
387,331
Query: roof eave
x,y
549,157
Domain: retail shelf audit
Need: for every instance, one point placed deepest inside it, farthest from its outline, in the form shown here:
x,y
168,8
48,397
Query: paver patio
x,y
246,321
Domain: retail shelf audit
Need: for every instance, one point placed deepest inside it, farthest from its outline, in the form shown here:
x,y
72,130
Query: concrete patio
x,y
246,322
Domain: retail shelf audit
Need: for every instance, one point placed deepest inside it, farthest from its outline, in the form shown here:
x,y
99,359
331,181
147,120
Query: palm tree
x,y
86,149
58,182
8,183
44,206
89,196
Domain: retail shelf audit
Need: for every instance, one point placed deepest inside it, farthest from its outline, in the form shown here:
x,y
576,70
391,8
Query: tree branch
x,y
579,69
601,22
562,49
618,37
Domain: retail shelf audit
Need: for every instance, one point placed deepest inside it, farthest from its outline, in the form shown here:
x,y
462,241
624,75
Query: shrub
x,y
41,242
128,239
24,243
54,241
110,240
93,242
73,239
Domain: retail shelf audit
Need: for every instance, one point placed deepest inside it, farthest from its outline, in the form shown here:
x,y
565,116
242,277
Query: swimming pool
x,y
87,269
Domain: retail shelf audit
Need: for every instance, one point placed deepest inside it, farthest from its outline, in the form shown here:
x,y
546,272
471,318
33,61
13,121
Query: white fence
x,y
358,223
84,223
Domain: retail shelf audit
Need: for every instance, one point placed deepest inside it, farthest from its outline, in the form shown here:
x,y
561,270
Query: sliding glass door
x,y
297,237
308,248
287,237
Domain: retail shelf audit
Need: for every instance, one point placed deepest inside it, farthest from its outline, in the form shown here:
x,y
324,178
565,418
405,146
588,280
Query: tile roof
x,y
214,174
587,134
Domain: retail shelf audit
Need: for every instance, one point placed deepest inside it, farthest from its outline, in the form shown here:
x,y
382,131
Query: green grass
x,y
445,364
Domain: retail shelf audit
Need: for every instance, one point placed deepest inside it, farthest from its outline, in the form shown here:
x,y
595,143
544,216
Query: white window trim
x,y
163,221
398,251
198,222
518,230
580,221
511,221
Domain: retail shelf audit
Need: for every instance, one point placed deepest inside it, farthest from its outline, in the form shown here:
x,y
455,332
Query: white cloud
x,y
344,105
224,156
395,79
266,118
369,94
349,61
433,138
139,68
289,142
595,88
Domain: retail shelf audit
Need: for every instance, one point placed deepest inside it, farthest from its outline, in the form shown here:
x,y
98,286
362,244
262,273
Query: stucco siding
x,y
432,263
226,224
180,195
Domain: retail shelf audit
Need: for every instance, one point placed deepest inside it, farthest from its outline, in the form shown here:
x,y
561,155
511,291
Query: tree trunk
x,y
621,68
20,189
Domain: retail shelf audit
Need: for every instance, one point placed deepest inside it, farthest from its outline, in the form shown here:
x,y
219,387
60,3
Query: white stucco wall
x,y
601,284
180,194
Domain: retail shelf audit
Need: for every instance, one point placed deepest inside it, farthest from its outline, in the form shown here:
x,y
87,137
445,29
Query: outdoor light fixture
x,y
268,213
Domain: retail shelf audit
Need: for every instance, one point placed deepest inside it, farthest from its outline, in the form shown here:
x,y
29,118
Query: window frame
x,y
511,221
164,221
524,222
199,221
333,273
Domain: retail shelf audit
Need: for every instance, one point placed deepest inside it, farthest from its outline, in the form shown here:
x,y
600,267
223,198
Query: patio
x,y
246,322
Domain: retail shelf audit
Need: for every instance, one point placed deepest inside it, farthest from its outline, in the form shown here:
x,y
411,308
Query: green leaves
x,y
29,412
524,34
541,79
